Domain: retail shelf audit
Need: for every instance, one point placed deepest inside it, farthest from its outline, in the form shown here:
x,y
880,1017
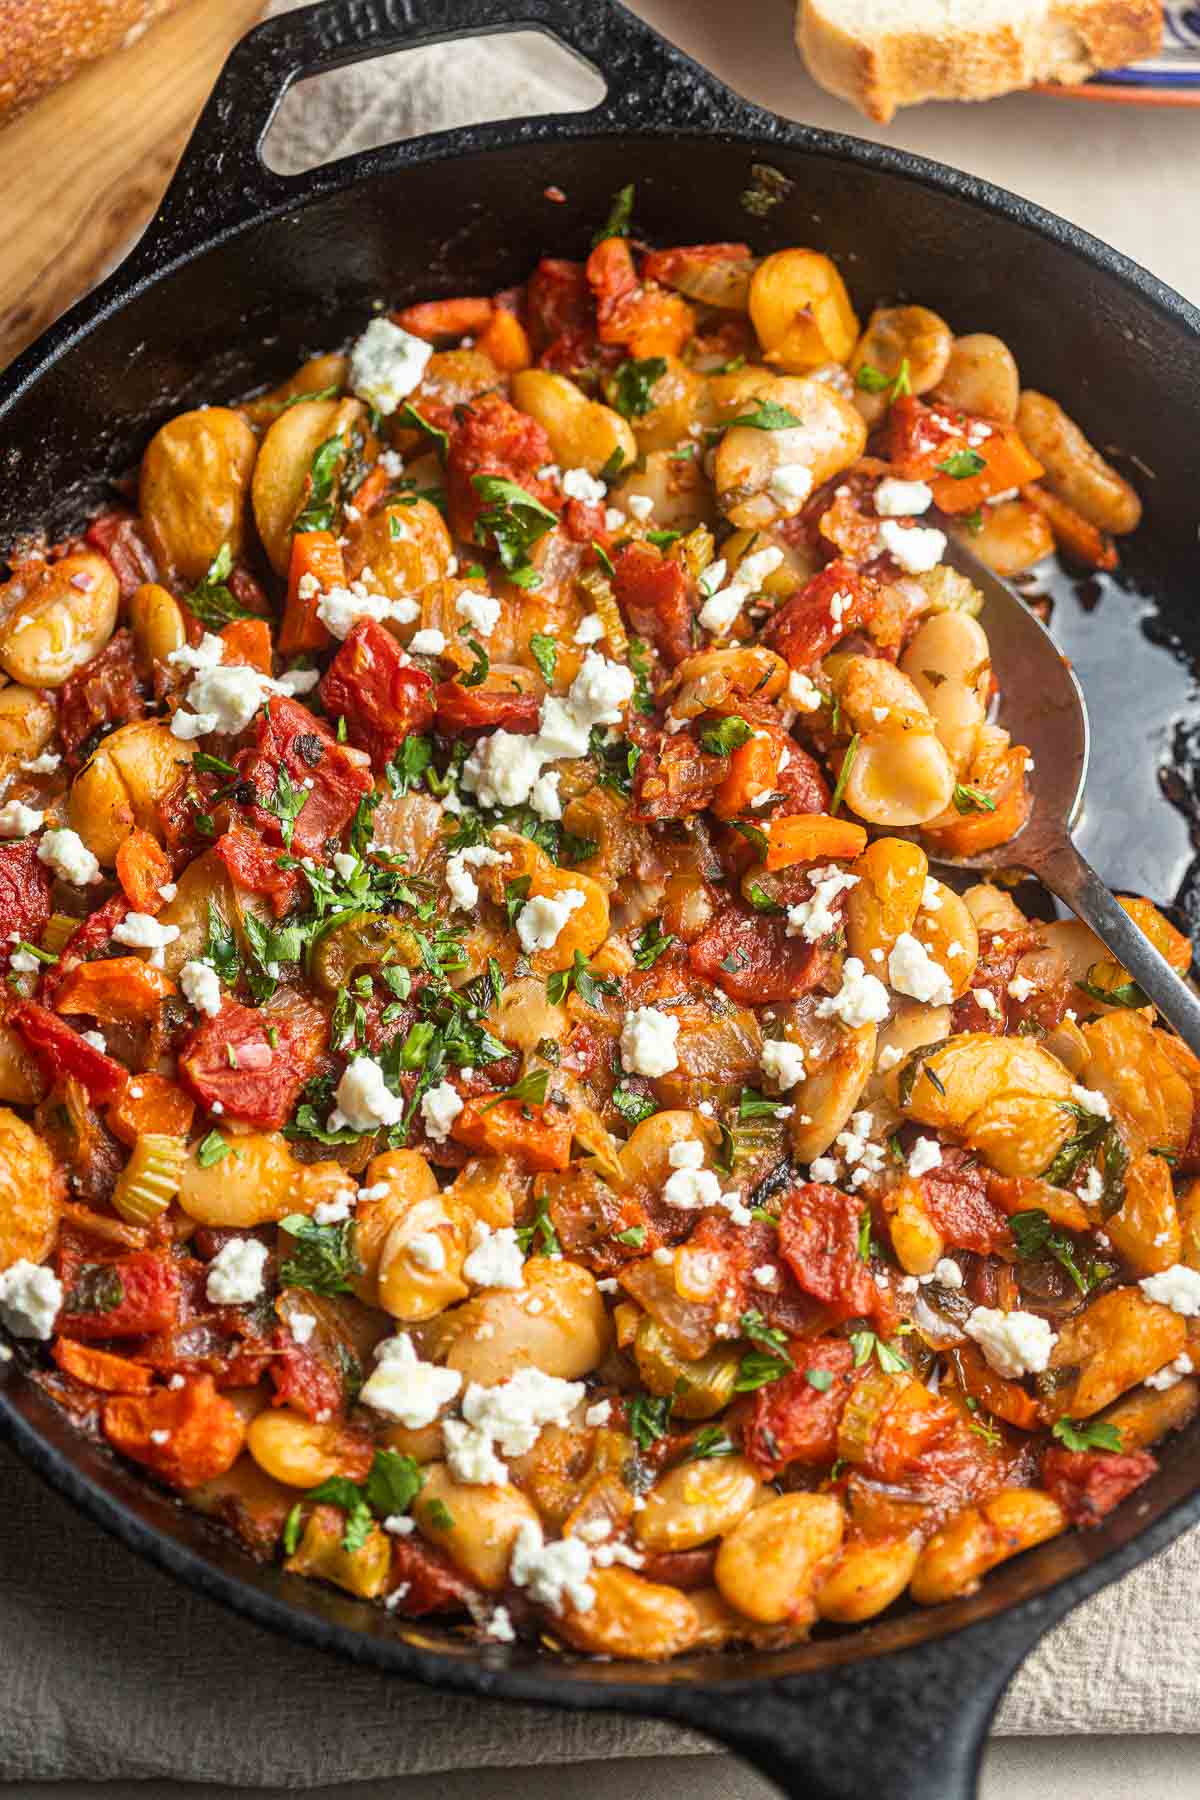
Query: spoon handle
x,y
1072,878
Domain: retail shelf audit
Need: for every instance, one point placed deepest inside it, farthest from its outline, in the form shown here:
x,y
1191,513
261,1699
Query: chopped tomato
x,y
25,885
795,1419
1004,1399
645,319
493,438
956,1199
673,777
255,865
657,599
754,960
538,1136
372,685
558,301
60,1052
253,1062
305,1381
118,536
818,1240
805,628
1006,787
185,1435
104,693
131,1296
429,1580
143,870
434,319
1007,465
118,988
801,783
337,776
101,1369
1088,1483
153,1103
681,260
812,837
316,555
462,709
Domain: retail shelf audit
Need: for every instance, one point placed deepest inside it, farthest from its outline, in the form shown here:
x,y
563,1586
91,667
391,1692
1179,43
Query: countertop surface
x,y
1125,173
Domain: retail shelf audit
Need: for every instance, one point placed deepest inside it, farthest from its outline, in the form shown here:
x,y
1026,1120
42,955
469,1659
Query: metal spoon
x,y
1043,706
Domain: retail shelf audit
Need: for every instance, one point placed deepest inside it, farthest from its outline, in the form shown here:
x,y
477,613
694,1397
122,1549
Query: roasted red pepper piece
x,y
104,693
754,960
818,1240
289,736
794,1419
25,885
61,1051
372,685
231,1059
1088,1483
493,438
657,599
131,1296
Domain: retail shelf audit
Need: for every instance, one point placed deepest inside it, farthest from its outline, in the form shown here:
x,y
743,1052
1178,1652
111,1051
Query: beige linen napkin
x,y
111,1671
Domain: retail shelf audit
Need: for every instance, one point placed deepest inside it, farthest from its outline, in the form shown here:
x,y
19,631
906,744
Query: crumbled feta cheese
x,y
803,693
614,518
30,1298
160,1437
499,1626
1171,1374
340,609
399,1524
440,1106
947,1272
765,1275
66,853
814,919
553,1574
496,1259
335,1211
471,1456
692,1188
22,963
590,629
480,611
911,970
18,820
1091,1101
386,364
783,1063
543,796
925,1154
931,895
142,931
403,1387
599,1414
888,1057
302,1325
917,548
640,506
201,986
790,484
222,699
1177,1287
426,1251
235,1274
502,769
1014,1343
516,1411
45,764
541,920
464,891
686,1153
364,1100
895,499
427,643
167,891
985,999
600,691
577,484
205,655
648,1042
823,1168
863,999
1020,987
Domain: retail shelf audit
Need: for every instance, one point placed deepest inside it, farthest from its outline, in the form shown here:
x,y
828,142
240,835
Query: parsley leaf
x,y
287,803
651,943
971,799
530,1090
211,600
318,511
708,1442
324,1258
339,1490
761,901
633,1107
588,985
221,948
409,764
634,1236
545,654
754,1105
873,381
1086,1434
393,1483
211,1149
617,761
620,217
649,1418
516,521
770,416
844,775
631,389
541,1226
962,464
408,415
866,1342
729,735
639,662
821,1379
477,673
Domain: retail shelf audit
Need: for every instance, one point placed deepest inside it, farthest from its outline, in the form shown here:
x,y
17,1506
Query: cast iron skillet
x,y
241,275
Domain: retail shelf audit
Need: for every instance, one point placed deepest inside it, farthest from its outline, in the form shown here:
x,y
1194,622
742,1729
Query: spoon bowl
x,y
1042,706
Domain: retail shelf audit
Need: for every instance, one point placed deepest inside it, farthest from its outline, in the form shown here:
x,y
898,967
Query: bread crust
x,y
44,42
1072,40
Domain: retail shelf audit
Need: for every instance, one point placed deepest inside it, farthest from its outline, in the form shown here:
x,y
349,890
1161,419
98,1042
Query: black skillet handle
x,y
222,183
909,1725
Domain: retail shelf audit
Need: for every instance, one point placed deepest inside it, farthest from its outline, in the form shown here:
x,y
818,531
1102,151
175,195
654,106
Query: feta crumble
x,y
862,1000
1014,1343
480,611
648,1039
541,920
895,499
783,1063
30,1298
235,1274
18,820
440,1106
403,1387
925,1154
66,853
496,1259
363,1099
201,986
917,548
386,364
1177,1287
911,970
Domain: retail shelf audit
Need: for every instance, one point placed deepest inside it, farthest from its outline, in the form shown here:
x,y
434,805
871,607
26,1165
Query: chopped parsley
x,y
728,736
769,416
211,600
651,943
844,774
620,216
1086,1434
971,799
873,381
866,1343
960,465
631,389
324,1258
516,521
544,650
211,1149
588,985
633,1107
317,513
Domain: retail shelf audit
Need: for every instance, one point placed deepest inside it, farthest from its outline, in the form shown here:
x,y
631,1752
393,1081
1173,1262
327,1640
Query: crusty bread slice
x,y
881,54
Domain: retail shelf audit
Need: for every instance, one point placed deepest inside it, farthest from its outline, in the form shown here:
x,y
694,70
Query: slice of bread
x,y
882,54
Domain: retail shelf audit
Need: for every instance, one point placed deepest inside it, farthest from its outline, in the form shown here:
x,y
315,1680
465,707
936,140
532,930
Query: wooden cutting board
x,y
82,172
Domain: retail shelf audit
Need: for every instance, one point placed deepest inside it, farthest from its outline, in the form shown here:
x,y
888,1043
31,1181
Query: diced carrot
x,y
538,1136
806,837
101,1369
505,341
1082,540
1007,1400
983,830
647,321
204,1431
753,767
446,318
120,989
315,553
1007,464
248,642
142,869
152,1103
